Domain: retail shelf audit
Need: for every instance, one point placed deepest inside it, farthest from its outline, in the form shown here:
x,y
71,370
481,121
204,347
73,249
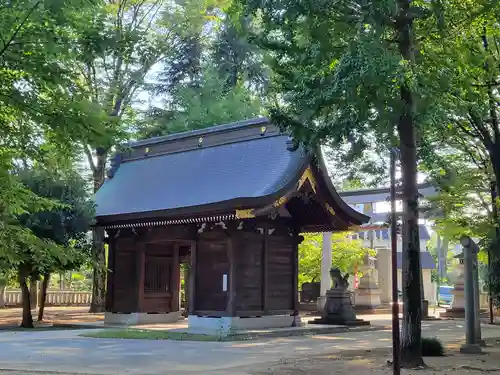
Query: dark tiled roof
x,y
426,260
251,168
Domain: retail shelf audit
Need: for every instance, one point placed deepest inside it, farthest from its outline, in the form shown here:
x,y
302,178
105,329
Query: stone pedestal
x,y
457,308
338,308
368,292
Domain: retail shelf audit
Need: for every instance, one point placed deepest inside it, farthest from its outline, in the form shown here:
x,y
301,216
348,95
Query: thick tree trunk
x,y
43,296
411,351
99,276
33,293
98,252
2,296
27,321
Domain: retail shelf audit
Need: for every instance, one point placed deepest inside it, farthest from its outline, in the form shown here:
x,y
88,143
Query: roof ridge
x,y
201,132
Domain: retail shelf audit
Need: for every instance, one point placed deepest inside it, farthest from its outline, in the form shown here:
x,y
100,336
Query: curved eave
x,y
212,209
348,213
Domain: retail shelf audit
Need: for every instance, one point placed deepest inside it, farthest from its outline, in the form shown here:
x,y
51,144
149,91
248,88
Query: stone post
x,y
326,264
470,346
457,308
477,310
384,275
368,292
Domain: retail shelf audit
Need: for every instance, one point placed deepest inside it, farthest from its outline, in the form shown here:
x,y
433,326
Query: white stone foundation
x,y
141,318
223,326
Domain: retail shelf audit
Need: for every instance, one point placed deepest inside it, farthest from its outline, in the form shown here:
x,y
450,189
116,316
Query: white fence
x,y
13,298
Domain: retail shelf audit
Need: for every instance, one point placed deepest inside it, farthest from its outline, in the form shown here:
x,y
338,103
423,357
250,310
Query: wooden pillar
x,y
187,278
295,273
192,281
140,271
231,301
264,267
110,275
175,282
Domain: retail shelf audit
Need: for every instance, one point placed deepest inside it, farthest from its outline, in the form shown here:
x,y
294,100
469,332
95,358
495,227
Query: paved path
x,y
66,352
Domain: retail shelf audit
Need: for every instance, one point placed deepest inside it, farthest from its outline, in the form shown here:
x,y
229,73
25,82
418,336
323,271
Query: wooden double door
x,y
161,287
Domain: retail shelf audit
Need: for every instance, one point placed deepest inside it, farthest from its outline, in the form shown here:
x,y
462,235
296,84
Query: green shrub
x,y
432,347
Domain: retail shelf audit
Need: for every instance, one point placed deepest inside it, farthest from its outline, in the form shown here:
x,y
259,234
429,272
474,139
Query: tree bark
x,y
33,293
43,296
98,252
99,275
2,296
411,351
27,320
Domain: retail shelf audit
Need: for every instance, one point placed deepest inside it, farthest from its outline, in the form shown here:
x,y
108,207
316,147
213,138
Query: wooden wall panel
x,y
124,277
249,254
280,273
211,263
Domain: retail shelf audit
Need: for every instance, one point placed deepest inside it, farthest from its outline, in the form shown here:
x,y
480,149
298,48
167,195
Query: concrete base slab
x,y
227,325
304,330
141,318
471,349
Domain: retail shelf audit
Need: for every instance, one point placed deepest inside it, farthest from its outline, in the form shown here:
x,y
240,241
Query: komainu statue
x,y
339,281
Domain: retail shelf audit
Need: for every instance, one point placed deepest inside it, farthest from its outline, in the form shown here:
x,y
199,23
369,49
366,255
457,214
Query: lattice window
x,y
157,275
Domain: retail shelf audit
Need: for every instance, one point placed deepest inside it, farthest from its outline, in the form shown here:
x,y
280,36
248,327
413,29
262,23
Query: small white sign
x,y
224,282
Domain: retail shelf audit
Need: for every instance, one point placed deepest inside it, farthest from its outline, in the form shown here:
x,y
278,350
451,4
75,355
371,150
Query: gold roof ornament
x,y
280,201
330,209
245,214
307,176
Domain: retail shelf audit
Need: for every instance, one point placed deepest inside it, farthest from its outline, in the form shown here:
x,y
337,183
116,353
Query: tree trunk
x,y
27,321
444,254
98,252
33,293
2,296
411,351
43,296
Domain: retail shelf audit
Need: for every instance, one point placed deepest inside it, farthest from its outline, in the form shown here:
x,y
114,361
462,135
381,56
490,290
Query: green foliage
x,y
432,347
206,104
36,106
54,236
68,223
346,254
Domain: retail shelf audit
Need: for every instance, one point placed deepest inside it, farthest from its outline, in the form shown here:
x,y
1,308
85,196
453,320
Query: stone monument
x,y
368,292
457,308
338,306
